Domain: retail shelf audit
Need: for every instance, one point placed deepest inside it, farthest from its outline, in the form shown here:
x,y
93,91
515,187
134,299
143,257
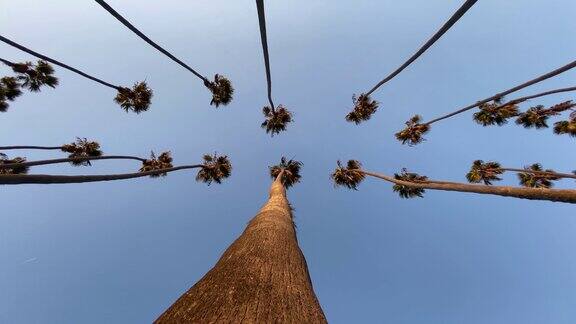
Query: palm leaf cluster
x,y
348,176
537,117
214,169
484,172
13,170
406,191
291,171
413,132
82,148
9,91
495,113
364,108
34,76
137,99
538,179
163,161
276,119
221,89
566,126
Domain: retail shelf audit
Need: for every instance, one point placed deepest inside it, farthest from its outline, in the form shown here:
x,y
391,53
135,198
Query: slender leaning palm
x,y
262,277
277,118
410,185
136,99
364,106
221,87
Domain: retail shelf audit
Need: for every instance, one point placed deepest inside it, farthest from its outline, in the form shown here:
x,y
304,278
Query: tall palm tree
x,y
221,87
364,106
277,118
262,277
136,99
491,113
410,185
14,171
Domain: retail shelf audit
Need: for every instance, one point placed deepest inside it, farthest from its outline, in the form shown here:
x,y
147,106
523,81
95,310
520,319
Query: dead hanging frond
x,y
537,117
137,99
495,113
413,132
214,169
538,178
221,89
348,176
406,191
291,169
276,120
566,126
15,169
484,172
34,76
82,148
163,161
364,108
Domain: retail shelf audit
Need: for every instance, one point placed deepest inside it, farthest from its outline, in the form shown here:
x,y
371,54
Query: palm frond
x,y
291,169
276,120
221,89
215,169
348,176
33,77
537,180
10,88
137,99
405,191
484,172
413,132
163,161
364,108
495,114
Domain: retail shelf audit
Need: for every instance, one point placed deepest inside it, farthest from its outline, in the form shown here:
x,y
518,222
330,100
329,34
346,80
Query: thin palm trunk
x,y
13,179
509,91
555,174
455,17
559,195
29,147
53,61
261,278
264,39
10,64
67,160
148,40
538,95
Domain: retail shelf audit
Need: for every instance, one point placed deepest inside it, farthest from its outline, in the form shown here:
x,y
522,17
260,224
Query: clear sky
x,y
122,252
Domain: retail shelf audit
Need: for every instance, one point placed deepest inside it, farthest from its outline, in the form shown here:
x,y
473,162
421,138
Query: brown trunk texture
x,y
261,278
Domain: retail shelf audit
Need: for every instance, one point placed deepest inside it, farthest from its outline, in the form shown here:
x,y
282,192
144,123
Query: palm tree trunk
x,y
30,147
67,160
560,195
13,179
261,278
264,39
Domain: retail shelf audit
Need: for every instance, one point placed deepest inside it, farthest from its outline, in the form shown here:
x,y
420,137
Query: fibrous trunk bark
x,y
261,278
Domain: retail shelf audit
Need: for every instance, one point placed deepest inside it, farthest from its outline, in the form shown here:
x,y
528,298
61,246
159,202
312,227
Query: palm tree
x,y
136,99
277,118
15,171
82,147
413,132
221,87
537,116
409,185
262,277
364,106
495,113
489,118
566,126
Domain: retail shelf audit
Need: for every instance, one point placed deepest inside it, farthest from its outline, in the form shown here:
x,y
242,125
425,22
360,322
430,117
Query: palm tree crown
x,y
413,132
349,176
537,180
214,169
290,170
276,119
80,149
221,89
34,76
137,99
484,172
495,113
407,191
163,161
364,108
13,170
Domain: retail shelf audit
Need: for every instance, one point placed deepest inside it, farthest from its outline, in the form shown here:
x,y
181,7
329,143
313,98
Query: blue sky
x,y
122,252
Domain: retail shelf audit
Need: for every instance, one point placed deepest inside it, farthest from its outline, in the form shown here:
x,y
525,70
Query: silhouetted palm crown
x,y
484,172
276,120
163,161
291,169
413,132
495,113
214,169
348,176
537,117
33,77
80,149
364,108
408,191
13,170
9,90
137,99
221,89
